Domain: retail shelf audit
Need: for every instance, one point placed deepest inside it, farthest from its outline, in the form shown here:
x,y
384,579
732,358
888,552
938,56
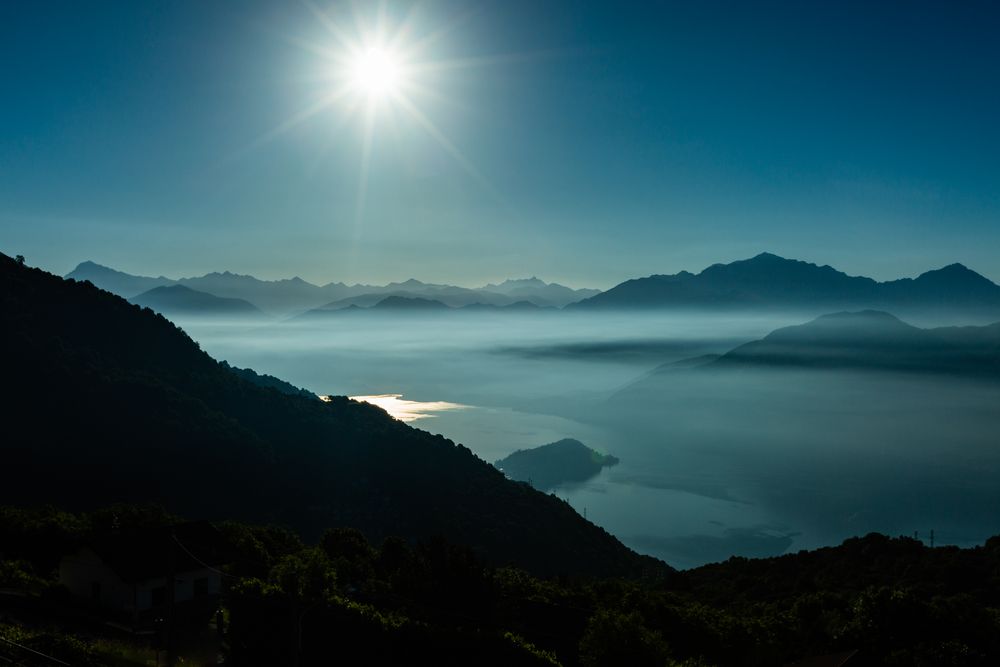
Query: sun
x,y
376,73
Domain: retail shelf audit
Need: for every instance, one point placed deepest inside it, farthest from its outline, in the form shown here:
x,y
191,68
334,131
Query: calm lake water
x,y
710,466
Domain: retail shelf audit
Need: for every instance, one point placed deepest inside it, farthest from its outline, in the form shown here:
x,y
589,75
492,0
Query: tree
x,y
615,638
20,260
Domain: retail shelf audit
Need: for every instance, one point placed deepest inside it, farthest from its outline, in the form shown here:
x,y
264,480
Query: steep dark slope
x,y
105,401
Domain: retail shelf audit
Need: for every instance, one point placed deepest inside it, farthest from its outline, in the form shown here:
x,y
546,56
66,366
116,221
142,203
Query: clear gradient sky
x,y
582,142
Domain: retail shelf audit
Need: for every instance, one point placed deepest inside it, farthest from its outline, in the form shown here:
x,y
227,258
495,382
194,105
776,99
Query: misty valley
x,y
500,481
714,461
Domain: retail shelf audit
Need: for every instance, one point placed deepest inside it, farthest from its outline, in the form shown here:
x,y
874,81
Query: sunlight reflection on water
x,y
406,410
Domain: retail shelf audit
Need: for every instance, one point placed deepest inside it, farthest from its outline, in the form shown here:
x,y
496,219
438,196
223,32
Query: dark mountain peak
x,y
90,266
768,257
954,274
769,262
117,282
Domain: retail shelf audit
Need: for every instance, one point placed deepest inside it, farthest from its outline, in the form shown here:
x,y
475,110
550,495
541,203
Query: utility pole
x,y
171,590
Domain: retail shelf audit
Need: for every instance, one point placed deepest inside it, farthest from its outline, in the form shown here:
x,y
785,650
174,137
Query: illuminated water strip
x,y
408,411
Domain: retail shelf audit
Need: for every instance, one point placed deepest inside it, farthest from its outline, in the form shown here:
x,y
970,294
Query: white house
x,y
126,572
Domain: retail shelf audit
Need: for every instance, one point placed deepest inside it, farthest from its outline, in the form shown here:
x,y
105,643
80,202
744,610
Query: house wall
x,y
80,571
185,587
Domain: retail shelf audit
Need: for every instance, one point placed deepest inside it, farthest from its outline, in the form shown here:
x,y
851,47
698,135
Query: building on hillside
x,y
126,573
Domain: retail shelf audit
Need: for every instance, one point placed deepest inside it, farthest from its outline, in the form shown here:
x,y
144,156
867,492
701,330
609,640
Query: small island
x,y
550,465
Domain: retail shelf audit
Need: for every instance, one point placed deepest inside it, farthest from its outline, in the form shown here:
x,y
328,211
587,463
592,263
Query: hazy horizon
x,y
273,276
575,141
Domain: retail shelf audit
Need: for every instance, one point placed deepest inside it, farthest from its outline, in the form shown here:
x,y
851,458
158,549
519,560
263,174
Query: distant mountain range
x,y
763,282
397,303
294,295
768,281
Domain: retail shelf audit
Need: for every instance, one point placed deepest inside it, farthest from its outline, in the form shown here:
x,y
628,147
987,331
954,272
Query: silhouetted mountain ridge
x,y
770,281
295,295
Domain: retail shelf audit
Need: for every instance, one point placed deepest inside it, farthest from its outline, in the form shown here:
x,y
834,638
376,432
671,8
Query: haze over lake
x,y
713,463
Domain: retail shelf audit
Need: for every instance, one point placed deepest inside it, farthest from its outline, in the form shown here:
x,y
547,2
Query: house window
x,y
201,586
159,596
95,590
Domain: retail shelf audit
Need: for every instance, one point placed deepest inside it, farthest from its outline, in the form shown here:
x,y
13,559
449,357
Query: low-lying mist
x,y
715,461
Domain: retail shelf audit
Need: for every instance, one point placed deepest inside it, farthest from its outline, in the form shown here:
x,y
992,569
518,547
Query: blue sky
x,y
597,141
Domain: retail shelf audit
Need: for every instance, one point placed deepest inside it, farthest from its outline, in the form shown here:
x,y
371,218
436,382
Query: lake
x,y
711,466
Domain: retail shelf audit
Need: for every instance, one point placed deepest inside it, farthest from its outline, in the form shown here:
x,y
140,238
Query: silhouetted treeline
x,y
894,599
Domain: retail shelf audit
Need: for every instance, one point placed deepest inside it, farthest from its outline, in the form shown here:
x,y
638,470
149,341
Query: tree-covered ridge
x,y
111,402
896,601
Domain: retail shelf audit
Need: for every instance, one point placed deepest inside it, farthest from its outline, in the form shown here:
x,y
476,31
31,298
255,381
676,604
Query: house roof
x,y
140,555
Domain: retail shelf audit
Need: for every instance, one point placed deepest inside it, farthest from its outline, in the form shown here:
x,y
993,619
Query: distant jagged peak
x,y
90,267
246,278
769,262
533,281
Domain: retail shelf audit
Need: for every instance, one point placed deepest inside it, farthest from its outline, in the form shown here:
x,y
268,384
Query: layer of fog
x,y
713,463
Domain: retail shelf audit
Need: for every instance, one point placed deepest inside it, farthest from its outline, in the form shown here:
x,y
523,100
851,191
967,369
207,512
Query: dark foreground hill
x,y
107,402
888,601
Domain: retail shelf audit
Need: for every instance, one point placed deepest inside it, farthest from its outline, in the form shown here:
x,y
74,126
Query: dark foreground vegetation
x,y
342,598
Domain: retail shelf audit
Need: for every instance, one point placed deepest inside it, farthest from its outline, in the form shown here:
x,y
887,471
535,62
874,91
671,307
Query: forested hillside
x,y
109,402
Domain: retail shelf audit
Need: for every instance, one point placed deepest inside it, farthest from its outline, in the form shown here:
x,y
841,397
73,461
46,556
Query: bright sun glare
x,y
376,72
